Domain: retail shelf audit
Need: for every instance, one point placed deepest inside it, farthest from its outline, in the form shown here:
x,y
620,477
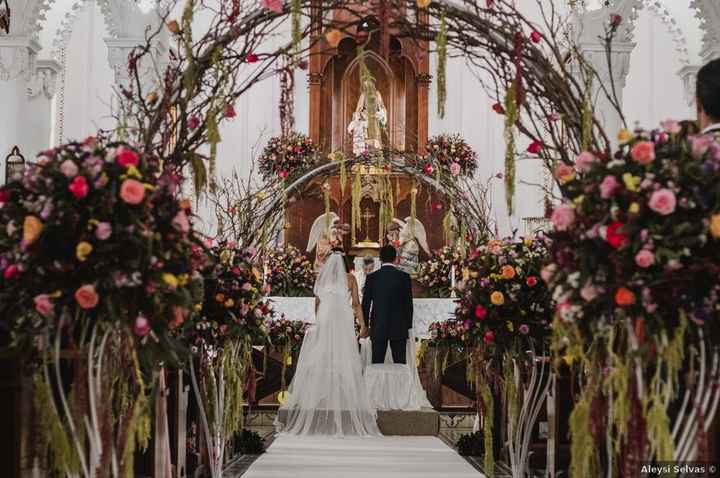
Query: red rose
x,y
283,174
79,187
251,58
480,312
498,108
535,37
535,147
615,20
5,196
230,111
531,281
489,337
614,237
428,169
127,157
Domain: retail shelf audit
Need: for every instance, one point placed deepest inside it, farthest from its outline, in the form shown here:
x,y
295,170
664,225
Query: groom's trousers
x,y
397,347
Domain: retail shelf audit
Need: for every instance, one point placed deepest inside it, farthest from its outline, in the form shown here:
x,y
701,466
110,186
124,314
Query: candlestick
x,y
452,281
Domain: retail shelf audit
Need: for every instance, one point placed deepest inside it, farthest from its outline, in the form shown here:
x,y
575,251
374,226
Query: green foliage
x,y
441,40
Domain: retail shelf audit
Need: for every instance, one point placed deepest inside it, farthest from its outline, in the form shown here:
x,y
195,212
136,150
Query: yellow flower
x,y
170,280
229,303
578,200
198,307
32,228
497,298
183,280
133,172
423,3
715,225
226,256
568,359
631,182
625,135
509,326
83,250
474,274
634,208
257,274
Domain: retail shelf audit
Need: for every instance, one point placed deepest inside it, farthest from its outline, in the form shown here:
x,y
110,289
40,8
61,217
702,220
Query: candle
x,y
452,281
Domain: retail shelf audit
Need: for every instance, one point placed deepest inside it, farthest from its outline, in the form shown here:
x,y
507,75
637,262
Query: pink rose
x,y
86,297
193,122
11,272
180,222
584,161
455,168
132,191
246,286
663,202
274,5
103,231
69,168
127,157
608,187
589,291
643,152
671,126
43,305
142,326
644,258
564,173
700,144
548,272
563,217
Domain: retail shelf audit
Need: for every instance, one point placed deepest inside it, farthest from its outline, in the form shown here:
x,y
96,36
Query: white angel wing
x,y
318,228
419,232
399,222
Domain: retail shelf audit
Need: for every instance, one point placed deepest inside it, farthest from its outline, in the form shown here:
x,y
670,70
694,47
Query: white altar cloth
x,y
354,457
426,311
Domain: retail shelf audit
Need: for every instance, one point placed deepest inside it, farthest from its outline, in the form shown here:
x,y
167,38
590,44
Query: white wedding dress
x,y
327,395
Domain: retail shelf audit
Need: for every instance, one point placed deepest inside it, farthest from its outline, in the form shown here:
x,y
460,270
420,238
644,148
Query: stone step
x,y
425,422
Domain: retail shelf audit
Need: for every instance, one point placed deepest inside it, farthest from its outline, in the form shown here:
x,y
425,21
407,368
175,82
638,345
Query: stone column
x,y
27,86
688,73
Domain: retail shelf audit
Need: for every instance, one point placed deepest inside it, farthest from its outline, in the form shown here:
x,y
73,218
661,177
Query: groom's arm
x,y
409,301
367,299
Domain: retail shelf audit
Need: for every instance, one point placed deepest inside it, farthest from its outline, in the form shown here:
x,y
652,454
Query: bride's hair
x,y
346,259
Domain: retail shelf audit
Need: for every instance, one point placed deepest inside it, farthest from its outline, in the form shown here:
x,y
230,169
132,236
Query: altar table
x,y
425,311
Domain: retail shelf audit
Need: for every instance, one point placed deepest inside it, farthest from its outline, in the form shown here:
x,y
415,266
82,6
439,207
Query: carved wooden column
x,y
315,74
423,82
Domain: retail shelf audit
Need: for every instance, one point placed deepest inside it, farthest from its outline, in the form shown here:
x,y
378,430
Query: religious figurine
x,y
411,238
358,129
362,117
392,236
323,238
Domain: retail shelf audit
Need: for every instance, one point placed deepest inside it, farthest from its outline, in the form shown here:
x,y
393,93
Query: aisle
x,y
386,457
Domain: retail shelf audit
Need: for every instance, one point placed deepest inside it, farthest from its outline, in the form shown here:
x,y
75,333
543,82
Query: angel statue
x,y
323,238
411,238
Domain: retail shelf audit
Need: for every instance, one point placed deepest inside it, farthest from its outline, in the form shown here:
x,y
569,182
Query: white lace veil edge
x,y
333,277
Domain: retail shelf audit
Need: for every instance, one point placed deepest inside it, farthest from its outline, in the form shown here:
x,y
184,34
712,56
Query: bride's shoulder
x,y
351,279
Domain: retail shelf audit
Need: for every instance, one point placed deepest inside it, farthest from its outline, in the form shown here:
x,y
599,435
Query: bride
x,y
327,395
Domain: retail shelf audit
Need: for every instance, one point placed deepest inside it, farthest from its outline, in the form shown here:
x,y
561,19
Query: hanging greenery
x,y
355,215
587,112
511,115
339,157
295,12
441,40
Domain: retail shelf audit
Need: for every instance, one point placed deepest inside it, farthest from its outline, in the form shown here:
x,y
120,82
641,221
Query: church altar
x,y
425,311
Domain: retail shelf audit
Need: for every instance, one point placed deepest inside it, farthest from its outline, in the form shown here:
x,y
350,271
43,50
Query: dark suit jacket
x,y
387,303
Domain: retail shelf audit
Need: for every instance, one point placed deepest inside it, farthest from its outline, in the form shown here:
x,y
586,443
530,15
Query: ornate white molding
x,y
708,11
17,57
688,73
118,51
44,79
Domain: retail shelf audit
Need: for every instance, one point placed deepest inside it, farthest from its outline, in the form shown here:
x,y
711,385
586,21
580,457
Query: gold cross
x,y
367,215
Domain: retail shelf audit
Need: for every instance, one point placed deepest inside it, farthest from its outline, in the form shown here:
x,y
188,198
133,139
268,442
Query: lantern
x,y
14,164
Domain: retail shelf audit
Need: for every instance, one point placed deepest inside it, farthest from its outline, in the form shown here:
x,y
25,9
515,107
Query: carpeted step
x,y
425,422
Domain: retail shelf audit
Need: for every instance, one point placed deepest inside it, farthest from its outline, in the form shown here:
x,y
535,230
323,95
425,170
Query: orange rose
x,y
624,297
86,297
497,298
508,272
32,228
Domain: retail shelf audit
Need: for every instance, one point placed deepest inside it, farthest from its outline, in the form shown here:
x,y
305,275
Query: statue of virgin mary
x,y
364,135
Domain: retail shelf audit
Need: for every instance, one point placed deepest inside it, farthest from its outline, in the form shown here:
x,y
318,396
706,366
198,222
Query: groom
x,y
387,303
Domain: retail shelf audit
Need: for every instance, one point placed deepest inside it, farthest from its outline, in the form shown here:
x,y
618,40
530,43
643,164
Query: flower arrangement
x,y
447,334
634,269
435,273
94,232
503,303
284,157
97,256
289,272
452,154
286,334
233,307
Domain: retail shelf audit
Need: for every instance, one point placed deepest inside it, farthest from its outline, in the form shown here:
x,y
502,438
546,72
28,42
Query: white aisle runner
x,y
385,457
